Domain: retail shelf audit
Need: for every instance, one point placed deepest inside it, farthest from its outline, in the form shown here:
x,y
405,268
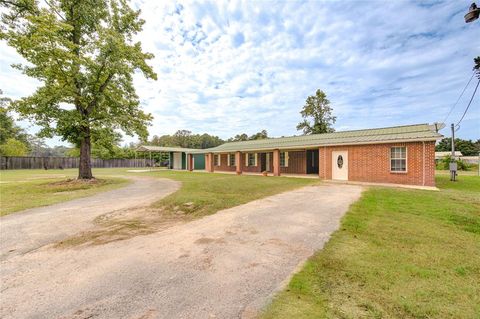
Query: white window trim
x,y
219,157
234,159
406,160
247,159
285,164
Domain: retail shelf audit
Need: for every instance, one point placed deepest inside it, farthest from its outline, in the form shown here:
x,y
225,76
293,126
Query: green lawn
x,y
201,193
398,254
204,193
22,189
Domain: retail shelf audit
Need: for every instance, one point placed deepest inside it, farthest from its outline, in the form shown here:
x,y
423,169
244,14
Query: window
x,y
340,161
231,159
251,159
398,159
216,160
284,159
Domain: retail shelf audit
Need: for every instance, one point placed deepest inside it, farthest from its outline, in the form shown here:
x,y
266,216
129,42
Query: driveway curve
x,y
26,231
225,265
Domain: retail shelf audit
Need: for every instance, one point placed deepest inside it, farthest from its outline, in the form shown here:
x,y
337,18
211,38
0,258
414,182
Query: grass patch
x,y
204,194
25,189
398,254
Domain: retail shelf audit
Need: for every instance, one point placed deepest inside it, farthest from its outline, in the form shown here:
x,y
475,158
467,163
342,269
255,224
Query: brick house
x,y
401,155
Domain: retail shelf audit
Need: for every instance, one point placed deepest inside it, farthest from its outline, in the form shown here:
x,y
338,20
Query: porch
x,y
277,162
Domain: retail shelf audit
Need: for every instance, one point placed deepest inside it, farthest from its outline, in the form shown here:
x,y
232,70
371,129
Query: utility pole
x,y
453,141
453,162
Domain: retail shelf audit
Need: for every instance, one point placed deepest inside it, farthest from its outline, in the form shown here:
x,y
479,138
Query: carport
x,y
178,157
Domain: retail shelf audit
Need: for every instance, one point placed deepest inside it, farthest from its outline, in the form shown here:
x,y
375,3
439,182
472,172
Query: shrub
x,y
444,164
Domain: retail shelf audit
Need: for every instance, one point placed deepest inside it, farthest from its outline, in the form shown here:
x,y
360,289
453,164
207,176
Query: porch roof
x,y
407,133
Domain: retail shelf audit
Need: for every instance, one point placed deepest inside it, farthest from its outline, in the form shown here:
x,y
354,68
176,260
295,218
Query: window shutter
x,y
228,159
246,159
286,159
256,159
219,159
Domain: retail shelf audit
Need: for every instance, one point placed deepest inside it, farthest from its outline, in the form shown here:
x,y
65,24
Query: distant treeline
x,y
466,147
185,138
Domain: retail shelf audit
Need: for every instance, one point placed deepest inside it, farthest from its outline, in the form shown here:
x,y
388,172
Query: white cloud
x,y
233,67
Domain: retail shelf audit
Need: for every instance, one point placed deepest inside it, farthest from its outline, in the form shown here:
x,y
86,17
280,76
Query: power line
x,y
469,103
473,74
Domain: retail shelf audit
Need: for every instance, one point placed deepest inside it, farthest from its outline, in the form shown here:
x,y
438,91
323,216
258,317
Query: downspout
x,y
423,163
325,162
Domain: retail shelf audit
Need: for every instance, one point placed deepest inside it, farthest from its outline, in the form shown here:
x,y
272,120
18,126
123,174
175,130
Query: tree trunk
x,y
85,166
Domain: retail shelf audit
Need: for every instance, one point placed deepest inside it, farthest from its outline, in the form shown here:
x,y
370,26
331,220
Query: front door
x,y
263,162
312,162
340,165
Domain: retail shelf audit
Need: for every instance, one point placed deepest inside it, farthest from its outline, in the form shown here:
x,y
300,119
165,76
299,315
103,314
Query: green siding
x,y
199,161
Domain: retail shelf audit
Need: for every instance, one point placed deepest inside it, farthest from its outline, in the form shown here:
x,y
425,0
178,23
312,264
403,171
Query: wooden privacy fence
x,y
36,162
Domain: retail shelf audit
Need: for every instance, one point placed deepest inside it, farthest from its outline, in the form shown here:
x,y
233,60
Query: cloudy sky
x,y
234,67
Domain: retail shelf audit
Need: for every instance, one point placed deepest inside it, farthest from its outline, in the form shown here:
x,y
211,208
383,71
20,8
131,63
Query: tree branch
x,y
102,88
55,10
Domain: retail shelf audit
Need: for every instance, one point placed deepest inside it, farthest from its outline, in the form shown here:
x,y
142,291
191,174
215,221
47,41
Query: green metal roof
x,y
149,148
408,133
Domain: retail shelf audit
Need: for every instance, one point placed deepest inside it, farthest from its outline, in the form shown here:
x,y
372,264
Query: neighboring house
x,y
458,156
401,154
471,159
440,155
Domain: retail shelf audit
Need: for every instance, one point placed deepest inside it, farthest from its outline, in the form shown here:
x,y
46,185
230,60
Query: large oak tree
x,y
84,55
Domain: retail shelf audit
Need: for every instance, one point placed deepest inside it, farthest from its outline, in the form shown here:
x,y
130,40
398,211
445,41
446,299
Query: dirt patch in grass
x,y
77,183
125,224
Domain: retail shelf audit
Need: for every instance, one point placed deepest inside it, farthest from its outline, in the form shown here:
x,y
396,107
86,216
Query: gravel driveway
x,y
31,229
225,265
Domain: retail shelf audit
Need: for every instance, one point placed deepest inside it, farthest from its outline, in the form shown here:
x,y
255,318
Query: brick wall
x,y
224,164
371,163
366,163
244,168
252,168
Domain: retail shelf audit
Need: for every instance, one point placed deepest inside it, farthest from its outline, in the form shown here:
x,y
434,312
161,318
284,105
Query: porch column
x,y
238,162
276,162
190,162
209,162
321,166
